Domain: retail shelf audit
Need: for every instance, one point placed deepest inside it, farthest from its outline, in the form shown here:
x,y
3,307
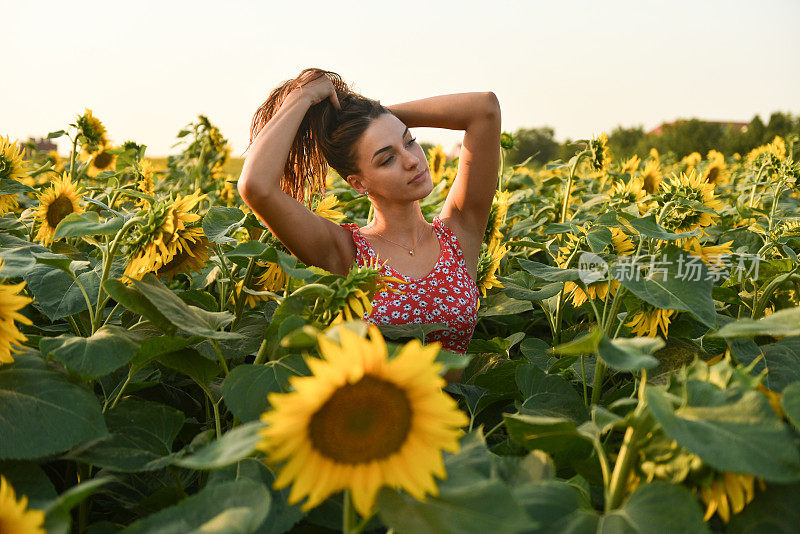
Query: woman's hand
x,y
317,88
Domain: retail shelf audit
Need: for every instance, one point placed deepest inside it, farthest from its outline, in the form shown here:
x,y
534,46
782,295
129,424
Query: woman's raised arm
x,y
313,239
478,114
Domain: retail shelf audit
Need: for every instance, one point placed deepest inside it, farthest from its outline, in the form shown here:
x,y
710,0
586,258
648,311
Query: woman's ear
x,y
356,183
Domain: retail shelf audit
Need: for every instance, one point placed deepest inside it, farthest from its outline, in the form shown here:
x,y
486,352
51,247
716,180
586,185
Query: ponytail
x,y
326,135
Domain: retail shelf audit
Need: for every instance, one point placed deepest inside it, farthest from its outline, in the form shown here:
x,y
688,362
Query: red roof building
x,y
742,126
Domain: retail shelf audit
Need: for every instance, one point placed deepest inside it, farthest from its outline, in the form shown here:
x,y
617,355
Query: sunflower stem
x,y
761,302
239,299
363,523
219,355
262,353
200,162
214,407
776,198
560,304
495,427
74,325
755,185
120,392
85,297
108,262
583,381
223,293
72,159
627,454
604,465
348,514
110,314
502,169
84,473
570,179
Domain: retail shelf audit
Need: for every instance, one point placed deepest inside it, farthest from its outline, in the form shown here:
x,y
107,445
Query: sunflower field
x,y
166,365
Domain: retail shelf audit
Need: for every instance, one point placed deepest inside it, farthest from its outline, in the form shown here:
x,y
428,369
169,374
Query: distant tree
x,y
675,141
686,136
624,142
537,142
755,132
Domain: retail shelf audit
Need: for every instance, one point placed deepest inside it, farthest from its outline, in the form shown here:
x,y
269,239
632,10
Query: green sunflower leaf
x,y
87,223
781,323
679,282
106,350
238,506
42,412
731,430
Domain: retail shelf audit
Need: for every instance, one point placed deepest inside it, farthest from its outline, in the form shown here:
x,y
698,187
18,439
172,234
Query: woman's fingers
x,y
335,98
312,77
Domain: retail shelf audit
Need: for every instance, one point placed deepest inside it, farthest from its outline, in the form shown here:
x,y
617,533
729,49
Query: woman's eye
x,y
387,160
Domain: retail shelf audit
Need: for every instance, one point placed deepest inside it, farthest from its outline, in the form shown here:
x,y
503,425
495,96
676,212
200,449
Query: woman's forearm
x,y
264,166
453,112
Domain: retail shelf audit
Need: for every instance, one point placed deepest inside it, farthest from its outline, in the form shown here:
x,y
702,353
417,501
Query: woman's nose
x,y
412,160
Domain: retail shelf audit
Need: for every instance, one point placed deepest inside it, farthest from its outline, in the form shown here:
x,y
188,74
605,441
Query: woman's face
x,y
389,159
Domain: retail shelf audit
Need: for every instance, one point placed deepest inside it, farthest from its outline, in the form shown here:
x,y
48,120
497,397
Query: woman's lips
x,y
419,177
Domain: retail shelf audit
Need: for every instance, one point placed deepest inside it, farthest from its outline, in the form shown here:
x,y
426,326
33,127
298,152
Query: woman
x,y
314,120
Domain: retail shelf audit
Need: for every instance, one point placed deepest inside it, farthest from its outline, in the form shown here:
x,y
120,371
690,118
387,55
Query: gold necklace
x,y
411,251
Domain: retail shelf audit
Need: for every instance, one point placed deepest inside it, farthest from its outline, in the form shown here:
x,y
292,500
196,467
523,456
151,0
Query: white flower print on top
x,y
448,294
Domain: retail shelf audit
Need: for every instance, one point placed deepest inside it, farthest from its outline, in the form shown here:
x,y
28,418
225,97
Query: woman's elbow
x,y
491,105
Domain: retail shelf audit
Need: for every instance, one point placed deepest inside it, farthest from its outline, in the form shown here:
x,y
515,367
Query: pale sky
x,y
148,68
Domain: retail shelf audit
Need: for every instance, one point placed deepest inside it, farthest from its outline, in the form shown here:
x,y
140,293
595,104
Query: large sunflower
x,y
600,155
8,203
55,203
15,517
631,165
145,184
681,194
10,304
691,161
11,164
775,149
651,175
164,244
649,320
362,421
623,246
497,219
102,160
192,252
273,280
716,171
93,131
632,192
710,254
353,297
488,263
728,494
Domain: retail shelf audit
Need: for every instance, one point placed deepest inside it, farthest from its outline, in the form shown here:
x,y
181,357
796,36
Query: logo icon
x,y
591,268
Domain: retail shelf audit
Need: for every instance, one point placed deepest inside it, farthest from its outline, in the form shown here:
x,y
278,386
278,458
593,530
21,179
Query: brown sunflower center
x,y
103,160
361,422
58,209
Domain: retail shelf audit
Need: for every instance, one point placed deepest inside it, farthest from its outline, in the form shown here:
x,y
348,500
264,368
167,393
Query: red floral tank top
x,y
448,294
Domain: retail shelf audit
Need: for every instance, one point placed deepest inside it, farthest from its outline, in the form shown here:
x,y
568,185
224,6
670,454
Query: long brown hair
x,y
326,135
